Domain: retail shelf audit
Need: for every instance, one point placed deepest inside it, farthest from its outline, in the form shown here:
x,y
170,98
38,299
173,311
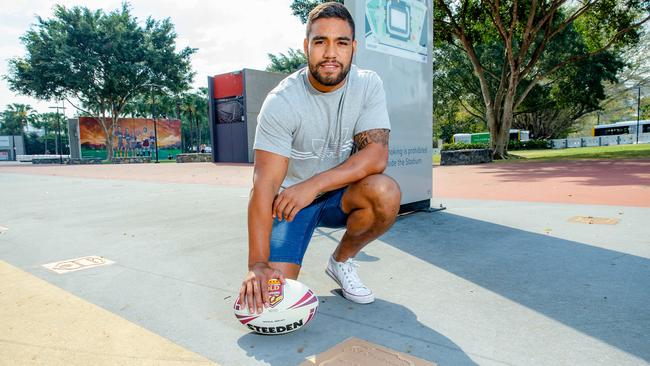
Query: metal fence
x,y
27,158
599,141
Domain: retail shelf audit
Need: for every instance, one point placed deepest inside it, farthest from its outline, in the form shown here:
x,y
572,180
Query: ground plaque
x,y
355,351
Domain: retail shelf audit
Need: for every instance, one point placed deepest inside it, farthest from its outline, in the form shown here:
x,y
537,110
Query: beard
x,y
329,80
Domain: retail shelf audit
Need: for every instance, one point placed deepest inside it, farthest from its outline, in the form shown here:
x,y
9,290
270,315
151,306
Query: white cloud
x,y
229,35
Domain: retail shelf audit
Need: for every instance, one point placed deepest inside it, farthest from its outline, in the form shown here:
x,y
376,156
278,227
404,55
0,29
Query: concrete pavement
x,y
487,282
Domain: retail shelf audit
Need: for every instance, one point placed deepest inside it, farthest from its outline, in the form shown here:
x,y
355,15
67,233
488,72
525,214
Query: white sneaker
x,y
345,274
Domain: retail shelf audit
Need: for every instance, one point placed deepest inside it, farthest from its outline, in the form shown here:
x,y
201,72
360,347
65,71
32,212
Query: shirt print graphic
x,y
330,148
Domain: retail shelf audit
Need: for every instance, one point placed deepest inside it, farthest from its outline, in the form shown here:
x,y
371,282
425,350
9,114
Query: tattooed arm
x,y
370,157
378,136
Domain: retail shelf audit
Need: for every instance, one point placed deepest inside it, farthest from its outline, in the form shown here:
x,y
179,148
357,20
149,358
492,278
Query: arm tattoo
x,y
377,136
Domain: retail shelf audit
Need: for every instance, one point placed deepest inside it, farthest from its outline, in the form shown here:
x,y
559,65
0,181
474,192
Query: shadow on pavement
x,y
603,173
338,319
599,292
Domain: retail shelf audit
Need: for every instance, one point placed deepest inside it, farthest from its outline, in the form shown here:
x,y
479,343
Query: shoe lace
x,y
350,274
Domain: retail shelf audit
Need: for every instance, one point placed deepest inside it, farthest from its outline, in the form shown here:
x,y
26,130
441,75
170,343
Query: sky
x,y
230,34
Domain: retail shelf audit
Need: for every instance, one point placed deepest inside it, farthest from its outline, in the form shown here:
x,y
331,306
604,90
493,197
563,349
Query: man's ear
x,y
354,46
305,47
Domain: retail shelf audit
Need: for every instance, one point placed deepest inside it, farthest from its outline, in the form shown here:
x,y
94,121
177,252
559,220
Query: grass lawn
x,y
640,151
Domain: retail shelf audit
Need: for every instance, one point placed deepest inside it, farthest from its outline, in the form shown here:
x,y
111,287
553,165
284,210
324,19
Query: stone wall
x,y
66,161
49,161
465,157
194,158
84,161
132,160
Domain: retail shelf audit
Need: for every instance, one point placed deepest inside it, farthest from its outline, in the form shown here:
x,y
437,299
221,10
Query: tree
x,y
621,101
18,117
292,61
526,32
50,123
103,60
301,8
194,107
549,111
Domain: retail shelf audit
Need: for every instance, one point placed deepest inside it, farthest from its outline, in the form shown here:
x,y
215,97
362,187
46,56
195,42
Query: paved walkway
x,y
507,279
602,182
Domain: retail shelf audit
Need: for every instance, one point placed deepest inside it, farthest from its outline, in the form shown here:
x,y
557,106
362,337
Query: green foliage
x,y
97,55
550,109
301,8
292,61
529,145
102,59
194,115
464,146
33,143
15,118
528,61
51,123
48,121
445,128
36,144
512,145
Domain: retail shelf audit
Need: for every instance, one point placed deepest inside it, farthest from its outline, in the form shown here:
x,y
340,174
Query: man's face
x,y
329,51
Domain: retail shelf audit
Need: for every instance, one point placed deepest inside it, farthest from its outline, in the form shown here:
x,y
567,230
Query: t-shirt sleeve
x,y
374,114
276,124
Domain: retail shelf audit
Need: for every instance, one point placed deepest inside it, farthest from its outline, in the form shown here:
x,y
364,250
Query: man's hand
x,y
289,202
254,291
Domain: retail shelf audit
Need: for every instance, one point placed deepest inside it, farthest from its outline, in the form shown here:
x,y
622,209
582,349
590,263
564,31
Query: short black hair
x,y
330,9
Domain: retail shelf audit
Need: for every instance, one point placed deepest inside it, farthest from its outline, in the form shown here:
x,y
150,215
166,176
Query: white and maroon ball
x,y
291,306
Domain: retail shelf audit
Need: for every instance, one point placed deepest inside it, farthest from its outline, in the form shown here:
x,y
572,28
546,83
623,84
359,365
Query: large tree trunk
x,y
501,134
108,131
191,134
198,129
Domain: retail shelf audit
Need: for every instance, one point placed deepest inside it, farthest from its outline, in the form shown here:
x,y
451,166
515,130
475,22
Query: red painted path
x,y
600,182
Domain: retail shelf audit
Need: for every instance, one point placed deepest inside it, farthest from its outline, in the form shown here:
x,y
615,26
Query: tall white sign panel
x,y
394,38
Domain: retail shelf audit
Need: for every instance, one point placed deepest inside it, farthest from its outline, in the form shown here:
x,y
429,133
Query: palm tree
x,y
195,105
21,116
188,107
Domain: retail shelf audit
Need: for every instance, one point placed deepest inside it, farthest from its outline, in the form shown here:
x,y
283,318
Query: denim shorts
x,y
289,240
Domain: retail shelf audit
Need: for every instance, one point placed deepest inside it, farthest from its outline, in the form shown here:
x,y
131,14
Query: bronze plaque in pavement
x,y
590,220
355,351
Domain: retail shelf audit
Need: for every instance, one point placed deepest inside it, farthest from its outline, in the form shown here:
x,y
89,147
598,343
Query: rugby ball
x,y
291,306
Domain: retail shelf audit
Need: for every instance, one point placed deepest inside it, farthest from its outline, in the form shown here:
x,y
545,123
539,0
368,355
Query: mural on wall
x,y
132,137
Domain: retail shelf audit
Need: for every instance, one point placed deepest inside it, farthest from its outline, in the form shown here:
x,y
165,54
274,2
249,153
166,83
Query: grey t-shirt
x,y
315,130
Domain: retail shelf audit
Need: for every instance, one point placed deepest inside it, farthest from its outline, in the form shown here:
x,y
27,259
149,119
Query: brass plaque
x,y
590,220
355,351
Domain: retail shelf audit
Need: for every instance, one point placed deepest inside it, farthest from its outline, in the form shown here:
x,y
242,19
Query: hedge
x,y
464,146
529,145
512,145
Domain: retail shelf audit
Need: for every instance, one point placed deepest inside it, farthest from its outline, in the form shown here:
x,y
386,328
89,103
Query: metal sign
x,y
394,39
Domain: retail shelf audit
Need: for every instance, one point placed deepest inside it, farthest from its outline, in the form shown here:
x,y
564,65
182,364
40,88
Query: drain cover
x,y
594,220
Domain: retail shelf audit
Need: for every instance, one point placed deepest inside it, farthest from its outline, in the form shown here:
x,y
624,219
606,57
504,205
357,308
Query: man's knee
x,y
382,192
